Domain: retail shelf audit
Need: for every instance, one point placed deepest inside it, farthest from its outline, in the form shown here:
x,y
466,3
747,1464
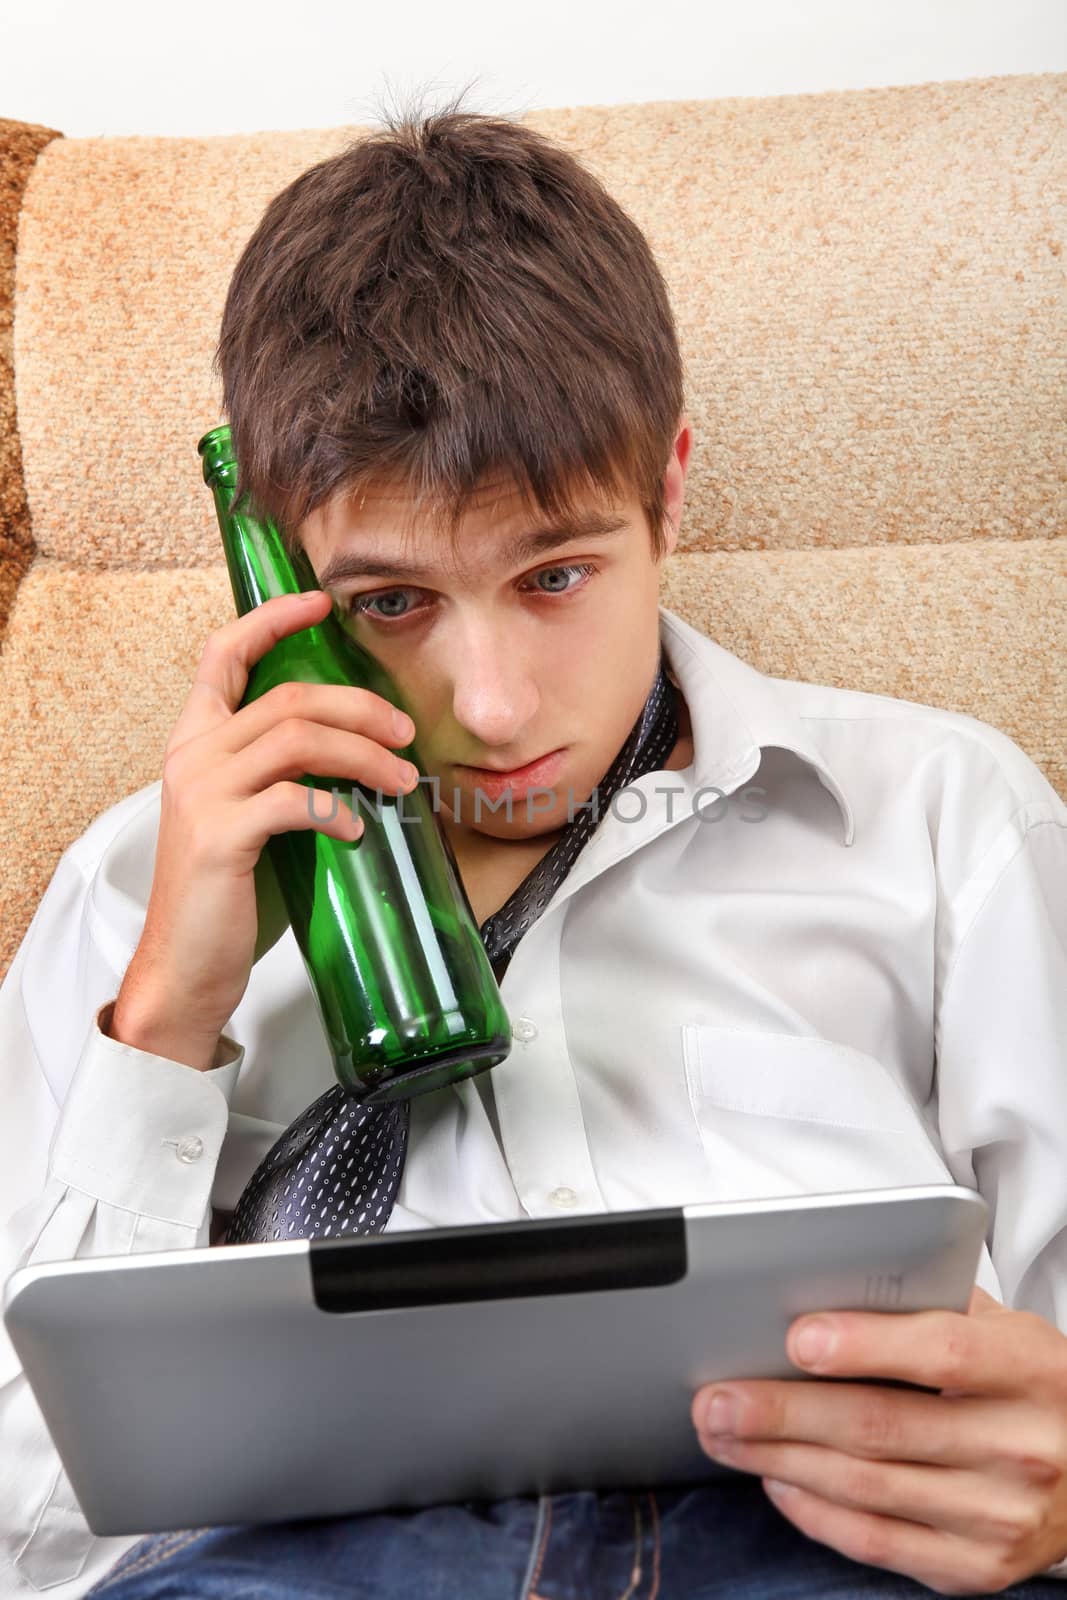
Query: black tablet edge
x,y
500,1261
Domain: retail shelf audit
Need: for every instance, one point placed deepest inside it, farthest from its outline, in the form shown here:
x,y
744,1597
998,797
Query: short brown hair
x,y
449,298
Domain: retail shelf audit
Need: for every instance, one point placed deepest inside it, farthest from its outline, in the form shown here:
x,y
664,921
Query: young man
x,y
812,939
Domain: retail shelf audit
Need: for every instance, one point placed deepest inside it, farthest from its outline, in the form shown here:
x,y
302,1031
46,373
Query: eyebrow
x,y
358,564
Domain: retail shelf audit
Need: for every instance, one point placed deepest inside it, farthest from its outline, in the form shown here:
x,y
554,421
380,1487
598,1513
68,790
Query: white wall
x,y
227,66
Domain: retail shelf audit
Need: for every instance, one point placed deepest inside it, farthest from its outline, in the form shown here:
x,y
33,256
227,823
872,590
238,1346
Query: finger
x,y
887,1424
943,1561
230,653
292,750
1003,1353
972,1505
341,707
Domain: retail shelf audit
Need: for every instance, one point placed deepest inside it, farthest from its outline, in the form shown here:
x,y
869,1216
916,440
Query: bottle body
x,y
404,988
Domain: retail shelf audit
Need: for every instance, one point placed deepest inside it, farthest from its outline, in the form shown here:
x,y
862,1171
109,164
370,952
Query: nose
x,y
495,694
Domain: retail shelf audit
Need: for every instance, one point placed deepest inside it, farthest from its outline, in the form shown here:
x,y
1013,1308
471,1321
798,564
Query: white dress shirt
x,y
850,972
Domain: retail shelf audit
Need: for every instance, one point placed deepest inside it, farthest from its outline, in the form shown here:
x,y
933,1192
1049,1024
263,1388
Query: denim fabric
x,y
721,1541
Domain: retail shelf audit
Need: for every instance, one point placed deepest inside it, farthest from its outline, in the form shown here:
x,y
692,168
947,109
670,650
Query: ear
x,y
674,482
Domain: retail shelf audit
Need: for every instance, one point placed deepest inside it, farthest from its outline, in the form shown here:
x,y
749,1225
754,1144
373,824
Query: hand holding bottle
x,y
230,782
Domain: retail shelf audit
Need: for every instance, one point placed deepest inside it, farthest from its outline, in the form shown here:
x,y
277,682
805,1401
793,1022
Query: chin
x,y
520,826
498,826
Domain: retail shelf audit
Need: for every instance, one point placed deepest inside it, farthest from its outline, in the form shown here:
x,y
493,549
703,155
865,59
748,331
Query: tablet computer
x,y
259,1383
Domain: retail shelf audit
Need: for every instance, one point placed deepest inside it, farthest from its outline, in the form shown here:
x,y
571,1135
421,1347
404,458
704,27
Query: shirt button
x,y
563,1197
189,1149
524,1029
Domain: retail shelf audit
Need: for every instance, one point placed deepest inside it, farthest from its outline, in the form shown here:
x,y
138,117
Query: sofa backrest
x,y
869,288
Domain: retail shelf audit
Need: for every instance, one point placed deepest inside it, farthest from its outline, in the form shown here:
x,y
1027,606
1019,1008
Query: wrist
x,y
149,1027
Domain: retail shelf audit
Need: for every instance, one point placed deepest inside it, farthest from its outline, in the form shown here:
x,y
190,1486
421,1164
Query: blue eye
x,y
360,605
549,572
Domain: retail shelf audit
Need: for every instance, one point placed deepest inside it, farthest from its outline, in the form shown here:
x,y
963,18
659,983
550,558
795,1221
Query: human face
x,y
501,657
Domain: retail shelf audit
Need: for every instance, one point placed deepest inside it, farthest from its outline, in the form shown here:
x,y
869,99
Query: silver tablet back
x,y
258,1383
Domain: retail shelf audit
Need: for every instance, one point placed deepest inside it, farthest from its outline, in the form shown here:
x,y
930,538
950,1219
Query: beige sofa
x,y
870,292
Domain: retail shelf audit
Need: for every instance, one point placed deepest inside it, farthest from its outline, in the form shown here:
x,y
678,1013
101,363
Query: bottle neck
x,y
259,564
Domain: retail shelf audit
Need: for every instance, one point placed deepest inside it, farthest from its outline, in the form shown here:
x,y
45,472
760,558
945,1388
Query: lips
x,y
535,774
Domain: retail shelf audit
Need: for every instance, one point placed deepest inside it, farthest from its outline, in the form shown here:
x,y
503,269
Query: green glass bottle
x,y
405,991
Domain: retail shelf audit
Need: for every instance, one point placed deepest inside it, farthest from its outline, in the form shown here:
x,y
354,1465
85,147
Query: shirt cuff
x,y
226,1051
142,1132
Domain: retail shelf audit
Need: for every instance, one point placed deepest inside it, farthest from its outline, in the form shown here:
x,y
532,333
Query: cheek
x,y
615,644
609,640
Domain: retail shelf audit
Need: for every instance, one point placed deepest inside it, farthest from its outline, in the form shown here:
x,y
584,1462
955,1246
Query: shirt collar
x,y
737,711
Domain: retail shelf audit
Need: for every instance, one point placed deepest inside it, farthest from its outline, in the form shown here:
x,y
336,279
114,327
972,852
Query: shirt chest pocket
x,y
782,1114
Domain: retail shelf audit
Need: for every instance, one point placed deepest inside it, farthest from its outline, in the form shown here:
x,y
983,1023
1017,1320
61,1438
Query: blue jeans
x,y
717,1541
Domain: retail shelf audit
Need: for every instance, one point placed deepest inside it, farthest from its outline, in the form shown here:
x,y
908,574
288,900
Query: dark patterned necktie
x,y
337,1168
